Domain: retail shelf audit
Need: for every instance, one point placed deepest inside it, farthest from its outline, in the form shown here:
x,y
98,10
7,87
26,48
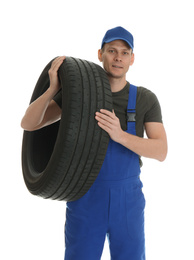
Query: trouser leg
x,y
126,230
86,226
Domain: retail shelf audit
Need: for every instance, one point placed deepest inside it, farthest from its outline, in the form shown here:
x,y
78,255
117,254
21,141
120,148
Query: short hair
x,y
102,49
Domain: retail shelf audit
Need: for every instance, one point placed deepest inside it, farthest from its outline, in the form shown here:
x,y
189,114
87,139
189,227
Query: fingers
x,y
103,119
53,72
57,63
107,113
103,122
105,116
106,120
109,122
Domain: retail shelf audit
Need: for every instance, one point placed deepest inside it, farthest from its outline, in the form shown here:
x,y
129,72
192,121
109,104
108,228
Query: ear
x,y
132,59
100,55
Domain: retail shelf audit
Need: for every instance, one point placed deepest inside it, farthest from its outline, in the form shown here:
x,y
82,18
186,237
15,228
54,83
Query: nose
x,y
117,57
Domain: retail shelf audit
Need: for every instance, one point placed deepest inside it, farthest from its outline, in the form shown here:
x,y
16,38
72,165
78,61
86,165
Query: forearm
x,y
35,113
154,147
151,148
42,112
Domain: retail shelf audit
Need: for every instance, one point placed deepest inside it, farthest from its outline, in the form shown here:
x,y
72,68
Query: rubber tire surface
x,y
61,161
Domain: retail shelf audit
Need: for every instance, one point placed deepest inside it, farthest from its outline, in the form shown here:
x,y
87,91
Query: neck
x,y
117,84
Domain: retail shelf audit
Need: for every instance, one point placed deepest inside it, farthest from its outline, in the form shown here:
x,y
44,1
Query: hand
x,y
53,73
109,122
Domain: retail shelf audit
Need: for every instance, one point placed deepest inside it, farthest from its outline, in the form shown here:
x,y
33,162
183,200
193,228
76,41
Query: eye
x,y
125,53
111,51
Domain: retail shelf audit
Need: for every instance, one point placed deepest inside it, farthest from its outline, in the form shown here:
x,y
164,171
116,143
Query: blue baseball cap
x,y
118,33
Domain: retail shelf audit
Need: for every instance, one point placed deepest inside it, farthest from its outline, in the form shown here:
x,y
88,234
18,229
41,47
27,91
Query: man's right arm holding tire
x,y
44,110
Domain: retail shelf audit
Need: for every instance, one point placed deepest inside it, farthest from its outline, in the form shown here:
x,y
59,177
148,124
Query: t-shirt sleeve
x,y
153,111
58,98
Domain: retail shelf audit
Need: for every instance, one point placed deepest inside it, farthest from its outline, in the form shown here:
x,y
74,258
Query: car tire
x,y
61,161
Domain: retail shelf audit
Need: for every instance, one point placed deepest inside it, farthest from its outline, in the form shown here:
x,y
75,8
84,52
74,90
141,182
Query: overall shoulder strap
x,y
132,99
131,109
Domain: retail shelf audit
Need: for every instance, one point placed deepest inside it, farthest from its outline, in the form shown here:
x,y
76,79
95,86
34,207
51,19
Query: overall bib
x,y
113,206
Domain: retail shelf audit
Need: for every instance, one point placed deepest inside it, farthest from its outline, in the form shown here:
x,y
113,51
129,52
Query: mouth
x,y
117,67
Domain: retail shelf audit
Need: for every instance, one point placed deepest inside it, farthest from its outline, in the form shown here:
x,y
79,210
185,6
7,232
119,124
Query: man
x,y
114,205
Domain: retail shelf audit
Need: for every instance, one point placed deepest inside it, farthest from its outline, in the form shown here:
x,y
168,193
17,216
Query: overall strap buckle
x,y
131,115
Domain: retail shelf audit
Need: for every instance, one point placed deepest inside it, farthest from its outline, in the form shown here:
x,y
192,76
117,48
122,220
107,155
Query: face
x,y
116,57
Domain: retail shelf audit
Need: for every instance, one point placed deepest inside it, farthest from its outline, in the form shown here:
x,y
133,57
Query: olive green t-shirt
x,y
147,107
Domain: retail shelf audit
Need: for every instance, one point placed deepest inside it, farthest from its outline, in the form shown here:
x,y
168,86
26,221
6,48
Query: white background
x,y
33,33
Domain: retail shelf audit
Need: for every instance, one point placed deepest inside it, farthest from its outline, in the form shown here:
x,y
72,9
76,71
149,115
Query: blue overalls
x,y
113,206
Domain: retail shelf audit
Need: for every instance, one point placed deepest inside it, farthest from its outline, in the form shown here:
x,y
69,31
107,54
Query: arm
x,y
44,111
154,147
